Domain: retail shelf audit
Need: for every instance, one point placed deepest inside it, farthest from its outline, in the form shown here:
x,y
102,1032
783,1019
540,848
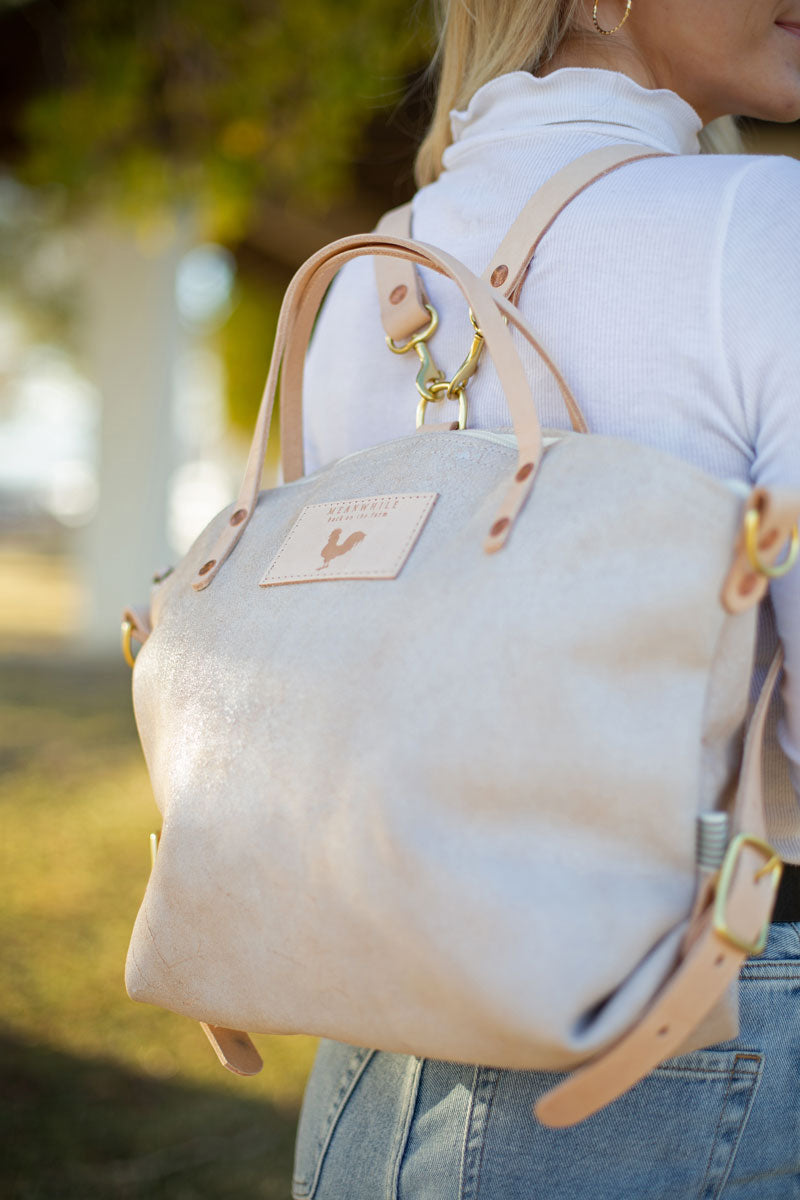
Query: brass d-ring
x,y
127,646
752,524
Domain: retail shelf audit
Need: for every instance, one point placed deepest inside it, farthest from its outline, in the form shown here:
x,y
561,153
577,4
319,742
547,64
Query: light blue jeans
x,y
718,1122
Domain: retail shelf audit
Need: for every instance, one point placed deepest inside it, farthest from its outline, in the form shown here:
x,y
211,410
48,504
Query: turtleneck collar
x,y
575,99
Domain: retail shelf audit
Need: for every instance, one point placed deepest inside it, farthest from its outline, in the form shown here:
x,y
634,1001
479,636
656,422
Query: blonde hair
x,y
481,39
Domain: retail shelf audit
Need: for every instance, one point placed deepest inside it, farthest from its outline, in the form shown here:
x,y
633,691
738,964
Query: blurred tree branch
x,y
226,107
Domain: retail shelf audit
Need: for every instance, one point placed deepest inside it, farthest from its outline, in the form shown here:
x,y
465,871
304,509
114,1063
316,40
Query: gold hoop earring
x,y
608,32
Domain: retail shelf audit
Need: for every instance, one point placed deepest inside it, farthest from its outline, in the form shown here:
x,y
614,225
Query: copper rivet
x,y
499,275
769,540
747,584
524,472
206,567
499,526
399,294
238,516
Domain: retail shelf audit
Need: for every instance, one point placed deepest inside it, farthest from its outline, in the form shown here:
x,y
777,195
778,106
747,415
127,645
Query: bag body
x,y
385,800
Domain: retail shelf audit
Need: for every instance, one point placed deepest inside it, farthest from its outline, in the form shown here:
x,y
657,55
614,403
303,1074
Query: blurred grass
x,y
39,601
102,1097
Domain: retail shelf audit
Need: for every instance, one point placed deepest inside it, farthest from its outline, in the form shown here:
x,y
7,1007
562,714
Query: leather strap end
x,y
439,427
709,968
714,949
138,617
513,503
234,1049
237,523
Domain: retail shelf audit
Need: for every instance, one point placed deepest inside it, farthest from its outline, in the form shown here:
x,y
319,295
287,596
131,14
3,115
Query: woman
x,y
669,294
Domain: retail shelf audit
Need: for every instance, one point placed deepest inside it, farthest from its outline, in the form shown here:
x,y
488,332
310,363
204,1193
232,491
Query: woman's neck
x,y
585,49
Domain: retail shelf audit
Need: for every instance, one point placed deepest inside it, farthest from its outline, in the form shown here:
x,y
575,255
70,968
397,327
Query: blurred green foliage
x,y
245,343
216,104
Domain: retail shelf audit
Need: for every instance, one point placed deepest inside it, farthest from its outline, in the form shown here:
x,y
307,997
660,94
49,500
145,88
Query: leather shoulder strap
x,y
402,297
510,264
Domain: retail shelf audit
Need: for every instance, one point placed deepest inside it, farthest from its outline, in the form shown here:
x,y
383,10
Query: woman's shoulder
x,y
714,175
774,179
761,210
751,201
765,184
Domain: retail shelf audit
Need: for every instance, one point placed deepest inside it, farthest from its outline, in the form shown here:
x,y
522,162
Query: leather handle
x,y
407,251
300,305
291,377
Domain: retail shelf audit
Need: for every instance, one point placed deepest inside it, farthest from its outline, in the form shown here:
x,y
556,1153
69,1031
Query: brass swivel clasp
x,y
431,383
428,372
470,363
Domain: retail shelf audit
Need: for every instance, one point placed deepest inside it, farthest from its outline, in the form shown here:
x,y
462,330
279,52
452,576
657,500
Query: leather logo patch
x,y
368,537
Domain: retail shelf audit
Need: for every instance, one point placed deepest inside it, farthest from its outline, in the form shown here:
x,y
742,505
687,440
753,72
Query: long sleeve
x,y
760,311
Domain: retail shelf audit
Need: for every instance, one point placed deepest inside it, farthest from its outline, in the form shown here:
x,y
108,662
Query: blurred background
x,y
164,168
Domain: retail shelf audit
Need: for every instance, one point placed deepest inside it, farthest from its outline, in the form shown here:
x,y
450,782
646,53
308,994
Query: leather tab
x,y
779,510
513,502
234,1049
439,427
138,617
400,291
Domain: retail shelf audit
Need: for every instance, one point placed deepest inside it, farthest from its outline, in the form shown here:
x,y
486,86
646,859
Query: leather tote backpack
x,y
466,839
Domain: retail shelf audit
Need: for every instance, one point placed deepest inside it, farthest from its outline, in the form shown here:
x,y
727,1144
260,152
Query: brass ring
x,y
752,523
441,386
127,648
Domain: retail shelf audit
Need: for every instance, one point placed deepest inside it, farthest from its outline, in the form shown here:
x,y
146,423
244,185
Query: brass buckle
x,y
772,866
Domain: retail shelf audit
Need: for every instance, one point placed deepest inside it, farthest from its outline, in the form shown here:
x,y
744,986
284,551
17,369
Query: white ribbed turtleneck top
x,y
668,294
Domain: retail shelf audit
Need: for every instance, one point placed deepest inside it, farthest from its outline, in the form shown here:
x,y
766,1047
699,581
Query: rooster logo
x,y
333,549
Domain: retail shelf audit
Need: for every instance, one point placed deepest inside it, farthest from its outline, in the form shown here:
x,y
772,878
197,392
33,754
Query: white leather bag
x,y
430,731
